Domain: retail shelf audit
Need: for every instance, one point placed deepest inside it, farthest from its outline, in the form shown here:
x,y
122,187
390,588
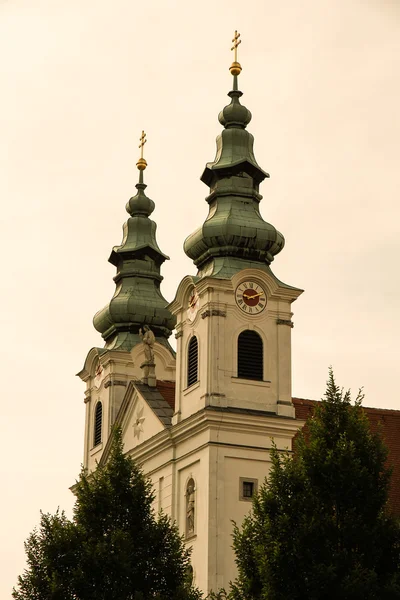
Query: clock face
x,y
250,297
193,305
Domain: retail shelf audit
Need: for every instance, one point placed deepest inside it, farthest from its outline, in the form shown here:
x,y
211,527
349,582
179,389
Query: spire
x,y
234,235
137,299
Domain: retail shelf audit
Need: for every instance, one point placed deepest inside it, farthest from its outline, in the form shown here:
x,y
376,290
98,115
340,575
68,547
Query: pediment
x,y
276,288
143,414
140,423
91,360
181,293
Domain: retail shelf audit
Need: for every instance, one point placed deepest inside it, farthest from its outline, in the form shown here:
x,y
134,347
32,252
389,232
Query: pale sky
x,y
80,79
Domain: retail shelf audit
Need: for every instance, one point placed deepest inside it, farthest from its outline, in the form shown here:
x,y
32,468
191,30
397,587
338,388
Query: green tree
x,y
319,527
115,547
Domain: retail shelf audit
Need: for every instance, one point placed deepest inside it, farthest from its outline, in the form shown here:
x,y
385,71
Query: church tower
x,y
202,429
137,302
234,318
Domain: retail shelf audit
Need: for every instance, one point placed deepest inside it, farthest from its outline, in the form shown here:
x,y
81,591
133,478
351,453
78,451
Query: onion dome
x,y
234,235
137,300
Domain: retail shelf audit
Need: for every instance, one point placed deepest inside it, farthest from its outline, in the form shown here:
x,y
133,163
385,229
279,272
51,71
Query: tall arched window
x,y
250,356
98,420
193,361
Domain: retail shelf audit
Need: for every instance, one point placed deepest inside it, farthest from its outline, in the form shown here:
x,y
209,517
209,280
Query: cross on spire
x,y
236,43
235,67
142,140
141,163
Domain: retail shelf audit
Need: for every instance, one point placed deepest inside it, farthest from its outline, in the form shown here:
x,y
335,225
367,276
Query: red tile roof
x,y
389,420
390,425
167,391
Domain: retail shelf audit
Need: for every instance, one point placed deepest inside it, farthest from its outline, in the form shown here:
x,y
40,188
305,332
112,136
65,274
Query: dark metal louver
x,y
250,356
193,361
98,417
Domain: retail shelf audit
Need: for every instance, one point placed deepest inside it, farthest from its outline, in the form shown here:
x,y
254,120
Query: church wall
x,y
94,452
195,467
170,468
262,395
236,468
217,326
236,457
162,481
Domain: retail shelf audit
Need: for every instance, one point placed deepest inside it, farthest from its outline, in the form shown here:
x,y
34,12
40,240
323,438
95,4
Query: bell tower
x,y
137,302
234,317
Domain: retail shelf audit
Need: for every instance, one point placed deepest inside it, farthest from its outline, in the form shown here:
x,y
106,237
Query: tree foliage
x,y
319,527
115,547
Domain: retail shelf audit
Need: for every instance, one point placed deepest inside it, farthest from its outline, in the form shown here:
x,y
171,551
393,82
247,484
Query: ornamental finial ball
x,y
235,68
141,164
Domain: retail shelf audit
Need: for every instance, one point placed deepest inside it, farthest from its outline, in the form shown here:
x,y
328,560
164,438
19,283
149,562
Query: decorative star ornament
x,y
138,422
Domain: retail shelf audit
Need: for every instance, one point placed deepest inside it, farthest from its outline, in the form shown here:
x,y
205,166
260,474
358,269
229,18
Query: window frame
x,y
242,481
189,383
239,373
96,441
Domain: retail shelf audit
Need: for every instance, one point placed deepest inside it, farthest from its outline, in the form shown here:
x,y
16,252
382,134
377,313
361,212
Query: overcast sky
x,y
80,79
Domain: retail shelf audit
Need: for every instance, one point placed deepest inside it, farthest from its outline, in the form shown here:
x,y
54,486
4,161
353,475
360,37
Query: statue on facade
x,y
148,340
148,365
190,508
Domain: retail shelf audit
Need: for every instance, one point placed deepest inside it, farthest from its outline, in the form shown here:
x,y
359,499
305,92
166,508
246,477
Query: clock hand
x,y
251,295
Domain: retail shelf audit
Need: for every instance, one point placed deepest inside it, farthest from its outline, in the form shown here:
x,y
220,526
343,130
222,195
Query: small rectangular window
x,y
247,488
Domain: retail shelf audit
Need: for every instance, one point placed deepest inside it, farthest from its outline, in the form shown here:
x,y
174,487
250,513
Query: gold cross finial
x,y
235,67
236,43
141,163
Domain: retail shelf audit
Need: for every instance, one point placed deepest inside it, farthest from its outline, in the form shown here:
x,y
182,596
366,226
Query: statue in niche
x,y
148,340
190,508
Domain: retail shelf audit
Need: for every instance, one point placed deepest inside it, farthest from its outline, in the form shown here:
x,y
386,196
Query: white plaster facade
x,y
221,431
217,326
118,369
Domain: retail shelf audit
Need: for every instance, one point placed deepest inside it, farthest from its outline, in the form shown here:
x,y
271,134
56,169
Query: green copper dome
x,y
137,300
234,235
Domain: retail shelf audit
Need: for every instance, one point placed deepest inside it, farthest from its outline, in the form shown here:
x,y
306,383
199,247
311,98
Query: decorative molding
x,y
178,334
116,382
139,419
285,322
214,312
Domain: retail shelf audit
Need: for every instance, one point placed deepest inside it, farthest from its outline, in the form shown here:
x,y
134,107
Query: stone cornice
x,y
285,322
238,422
213,284
213,312
230,420
115,382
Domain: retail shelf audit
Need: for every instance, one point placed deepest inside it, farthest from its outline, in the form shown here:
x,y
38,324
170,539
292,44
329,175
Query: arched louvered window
x,y
98,419
193,361
250,356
